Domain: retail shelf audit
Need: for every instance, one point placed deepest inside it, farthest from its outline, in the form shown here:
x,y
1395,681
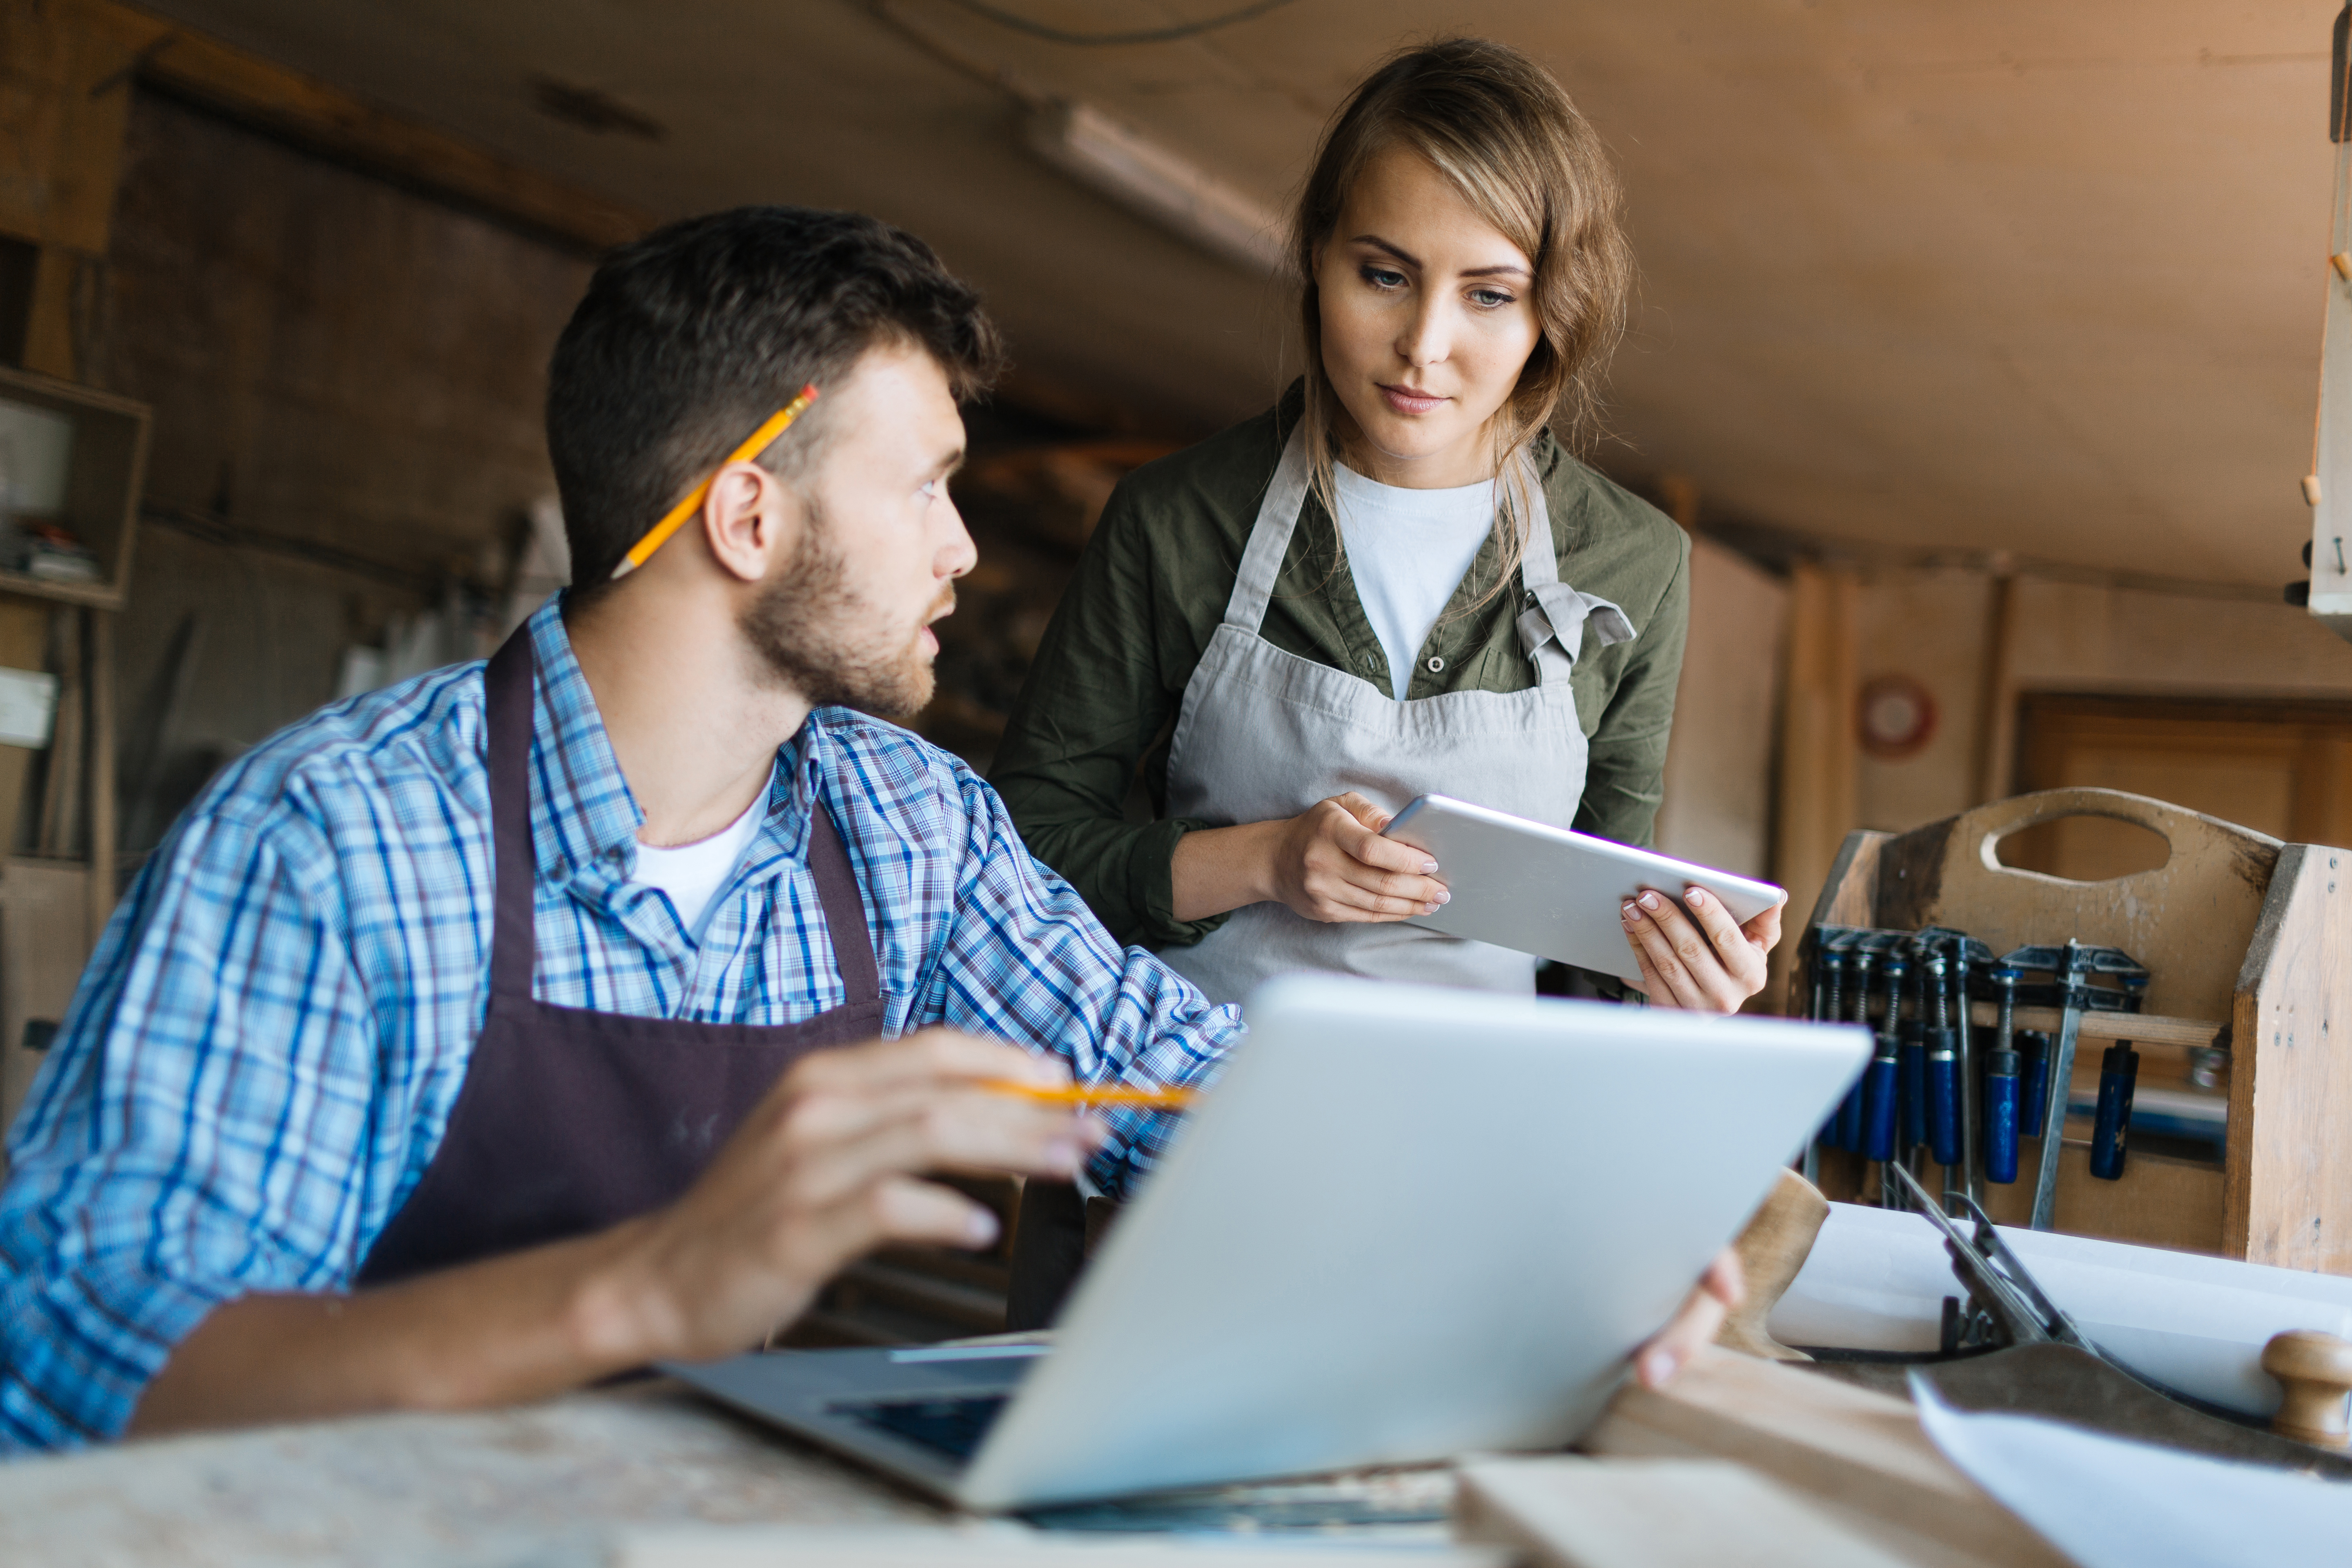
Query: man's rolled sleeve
x,y
194,1134
1026,961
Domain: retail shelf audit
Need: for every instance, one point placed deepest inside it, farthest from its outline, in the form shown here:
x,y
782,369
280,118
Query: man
x,y
467,1041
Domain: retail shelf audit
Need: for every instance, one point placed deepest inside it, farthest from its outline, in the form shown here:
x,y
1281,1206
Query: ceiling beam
x,y
320,118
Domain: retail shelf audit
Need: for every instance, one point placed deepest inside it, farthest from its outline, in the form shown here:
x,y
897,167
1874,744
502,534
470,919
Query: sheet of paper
x,y
2109,1503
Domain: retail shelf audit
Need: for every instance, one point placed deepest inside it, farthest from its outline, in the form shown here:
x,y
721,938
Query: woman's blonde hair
x,y
1501,129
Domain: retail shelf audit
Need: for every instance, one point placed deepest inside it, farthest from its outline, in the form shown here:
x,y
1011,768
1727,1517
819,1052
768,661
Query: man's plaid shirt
x,y
267,1045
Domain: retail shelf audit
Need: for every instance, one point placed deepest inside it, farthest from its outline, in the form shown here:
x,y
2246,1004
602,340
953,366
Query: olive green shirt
x,y
1102,699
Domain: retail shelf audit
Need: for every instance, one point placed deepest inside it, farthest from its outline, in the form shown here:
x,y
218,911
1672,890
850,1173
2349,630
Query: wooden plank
x,y
1844,900
61,782
1572,1512
98,659
1818,750
1861,1455
2288,1187
1002,1544
42,947
23,644
64,101
1996,738
303,110
2140,1028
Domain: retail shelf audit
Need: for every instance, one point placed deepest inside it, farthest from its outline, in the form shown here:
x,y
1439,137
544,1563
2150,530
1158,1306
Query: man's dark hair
x,y
692,336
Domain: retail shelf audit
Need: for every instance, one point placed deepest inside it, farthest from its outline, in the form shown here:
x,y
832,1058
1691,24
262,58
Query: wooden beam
x,y
325,119
1819,755
1996,748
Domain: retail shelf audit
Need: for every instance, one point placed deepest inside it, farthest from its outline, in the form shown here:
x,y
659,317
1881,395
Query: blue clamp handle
x,y
2001,1117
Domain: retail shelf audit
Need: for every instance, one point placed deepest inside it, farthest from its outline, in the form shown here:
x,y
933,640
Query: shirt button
x,y
1436,665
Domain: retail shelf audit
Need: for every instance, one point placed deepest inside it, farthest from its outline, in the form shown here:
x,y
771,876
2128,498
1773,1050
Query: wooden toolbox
x,y
2246,940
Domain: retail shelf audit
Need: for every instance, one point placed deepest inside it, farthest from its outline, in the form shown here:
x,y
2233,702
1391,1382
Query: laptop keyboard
x,y
950,1427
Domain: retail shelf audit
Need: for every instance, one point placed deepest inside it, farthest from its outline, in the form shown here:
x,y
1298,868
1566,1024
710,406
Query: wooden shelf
x,y
105,473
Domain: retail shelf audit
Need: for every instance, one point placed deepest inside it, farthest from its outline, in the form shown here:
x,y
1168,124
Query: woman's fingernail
x,y
1632,914
1429,867
1658,1368
1649,900
1695,898
1444,897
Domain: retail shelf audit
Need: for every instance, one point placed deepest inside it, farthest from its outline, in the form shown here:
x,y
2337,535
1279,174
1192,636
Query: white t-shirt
x,y
692,873
1407,551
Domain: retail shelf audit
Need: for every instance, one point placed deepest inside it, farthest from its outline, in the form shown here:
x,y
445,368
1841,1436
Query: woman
x,y
1489,618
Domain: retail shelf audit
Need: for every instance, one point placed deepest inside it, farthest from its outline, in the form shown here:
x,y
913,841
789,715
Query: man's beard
x,y
819,636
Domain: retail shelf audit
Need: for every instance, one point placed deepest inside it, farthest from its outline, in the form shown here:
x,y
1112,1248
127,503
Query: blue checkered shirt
x,y
267,1045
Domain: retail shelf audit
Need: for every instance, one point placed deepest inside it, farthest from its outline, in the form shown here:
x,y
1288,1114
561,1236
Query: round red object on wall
x,y
1895,717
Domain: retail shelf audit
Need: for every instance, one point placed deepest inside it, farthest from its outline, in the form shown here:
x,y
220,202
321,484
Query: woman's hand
x,y
1328,863
1699,958
1694,1325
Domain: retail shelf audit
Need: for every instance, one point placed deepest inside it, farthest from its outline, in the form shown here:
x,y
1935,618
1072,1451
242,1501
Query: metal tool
x,y
2001,1116
2033,1081
1911,1062
2003,980
1879,1078
2076,971
2111,1124
2005,1307
2020,1352
1828,1005
1968,956
1942,1071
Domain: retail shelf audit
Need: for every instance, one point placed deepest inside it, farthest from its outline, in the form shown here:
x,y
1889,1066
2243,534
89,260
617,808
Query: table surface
x,y
545,1485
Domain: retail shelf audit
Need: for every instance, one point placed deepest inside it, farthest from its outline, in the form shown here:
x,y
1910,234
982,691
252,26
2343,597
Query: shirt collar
x,y
584,819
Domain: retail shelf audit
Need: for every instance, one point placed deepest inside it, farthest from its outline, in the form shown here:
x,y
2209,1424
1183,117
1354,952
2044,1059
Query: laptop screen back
x,y
1408,1223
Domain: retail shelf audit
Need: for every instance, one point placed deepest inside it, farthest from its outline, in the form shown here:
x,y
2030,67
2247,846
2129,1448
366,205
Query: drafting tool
x,y
655,537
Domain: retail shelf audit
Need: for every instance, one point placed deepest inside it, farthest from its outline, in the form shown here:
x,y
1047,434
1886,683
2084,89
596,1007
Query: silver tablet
x,y
1536,888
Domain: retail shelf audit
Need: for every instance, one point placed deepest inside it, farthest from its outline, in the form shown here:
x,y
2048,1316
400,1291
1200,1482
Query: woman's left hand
x,y
1698,958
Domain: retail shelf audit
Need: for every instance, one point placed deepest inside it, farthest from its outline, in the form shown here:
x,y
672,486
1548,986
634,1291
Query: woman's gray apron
x,y
1264,734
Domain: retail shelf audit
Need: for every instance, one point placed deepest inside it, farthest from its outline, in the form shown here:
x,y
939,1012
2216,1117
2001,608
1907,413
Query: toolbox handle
x,y
2180,829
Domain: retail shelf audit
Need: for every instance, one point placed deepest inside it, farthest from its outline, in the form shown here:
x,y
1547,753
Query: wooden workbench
x,y
560,1485
547,1484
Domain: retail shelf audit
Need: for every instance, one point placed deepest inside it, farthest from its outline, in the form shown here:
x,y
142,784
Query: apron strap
x,y
1551,628
1269,539
844,912
510,682
507,685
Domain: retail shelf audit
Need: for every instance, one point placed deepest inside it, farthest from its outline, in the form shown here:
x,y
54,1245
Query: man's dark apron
x,y
572,1121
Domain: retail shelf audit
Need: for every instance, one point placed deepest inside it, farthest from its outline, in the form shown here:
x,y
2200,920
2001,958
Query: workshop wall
x,y
1935,626
1718,806
346,381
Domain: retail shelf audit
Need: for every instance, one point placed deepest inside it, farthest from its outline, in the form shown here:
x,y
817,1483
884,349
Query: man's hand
x,y
1698,958
826,1167
1668,1351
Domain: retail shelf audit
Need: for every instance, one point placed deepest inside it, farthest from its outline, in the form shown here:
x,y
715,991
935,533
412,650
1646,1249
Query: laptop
x,y
1406,1223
